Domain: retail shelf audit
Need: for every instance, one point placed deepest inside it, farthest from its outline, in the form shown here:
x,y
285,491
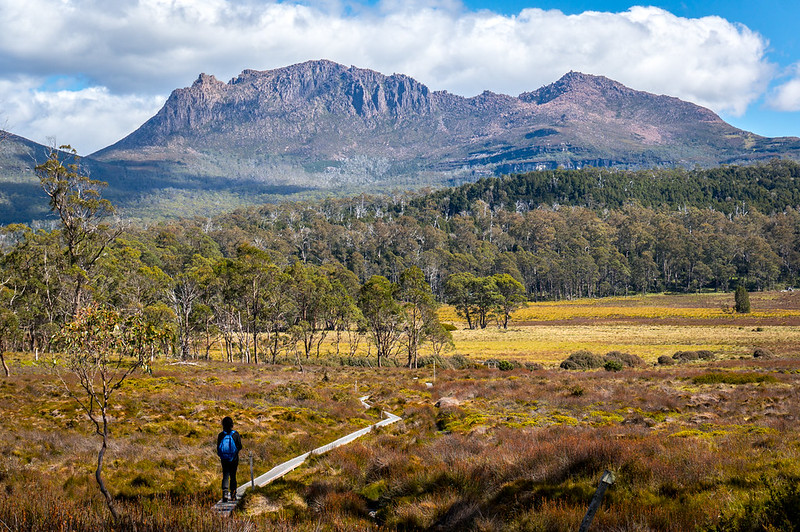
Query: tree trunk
x,y
5,366
99,471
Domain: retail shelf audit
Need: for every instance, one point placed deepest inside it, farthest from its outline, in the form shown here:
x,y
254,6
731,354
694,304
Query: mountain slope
x,y
21,197
323,124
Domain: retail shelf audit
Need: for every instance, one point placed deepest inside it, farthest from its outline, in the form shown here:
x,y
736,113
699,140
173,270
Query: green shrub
x,y
577,391
626,359
505,365
582,360
779,511
449,327
742,299
613,365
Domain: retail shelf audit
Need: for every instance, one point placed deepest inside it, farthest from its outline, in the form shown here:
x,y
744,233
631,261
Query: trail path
x,y
280,470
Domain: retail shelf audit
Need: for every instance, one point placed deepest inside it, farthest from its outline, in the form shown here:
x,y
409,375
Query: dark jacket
x,y
236,439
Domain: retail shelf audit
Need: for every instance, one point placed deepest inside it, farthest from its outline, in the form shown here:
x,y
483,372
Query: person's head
x,y
227,423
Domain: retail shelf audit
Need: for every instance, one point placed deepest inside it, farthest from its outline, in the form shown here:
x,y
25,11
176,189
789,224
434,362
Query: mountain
x,y
321,124
21,197
317,127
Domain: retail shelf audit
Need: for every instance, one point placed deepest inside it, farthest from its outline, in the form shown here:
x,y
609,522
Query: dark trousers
x,y
229,476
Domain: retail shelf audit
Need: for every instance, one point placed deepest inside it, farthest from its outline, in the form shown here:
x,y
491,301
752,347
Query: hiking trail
x,y
225,508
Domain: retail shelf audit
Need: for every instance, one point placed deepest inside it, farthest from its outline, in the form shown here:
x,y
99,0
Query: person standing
x,y
229,443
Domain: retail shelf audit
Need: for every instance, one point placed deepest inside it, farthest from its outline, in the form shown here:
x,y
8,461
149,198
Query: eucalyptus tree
x,y
102,349
33,267
511,295
246,282
418,305
85,230
342,314
458,291
313,299
382,313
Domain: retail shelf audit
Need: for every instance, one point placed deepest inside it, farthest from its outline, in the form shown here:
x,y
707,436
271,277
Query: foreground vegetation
x,y
704,445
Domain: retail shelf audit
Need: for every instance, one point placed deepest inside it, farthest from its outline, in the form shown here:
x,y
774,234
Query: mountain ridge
x,y
325,110
326,127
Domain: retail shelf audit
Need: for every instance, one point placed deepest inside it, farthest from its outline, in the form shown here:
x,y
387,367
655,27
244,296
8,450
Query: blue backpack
x,y
227,447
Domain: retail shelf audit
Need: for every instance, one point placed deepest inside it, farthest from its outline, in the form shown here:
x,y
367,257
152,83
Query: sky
x,y
89,72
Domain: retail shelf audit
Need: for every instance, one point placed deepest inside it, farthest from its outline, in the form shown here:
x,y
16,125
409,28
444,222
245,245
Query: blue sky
x,y
88,72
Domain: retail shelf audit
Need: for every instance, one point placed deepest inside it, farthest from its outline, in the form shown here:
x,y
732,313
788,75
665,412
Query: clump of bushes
x,y
762,352
503,365
612,361
691,356
666,360
448,362
626,359
582,360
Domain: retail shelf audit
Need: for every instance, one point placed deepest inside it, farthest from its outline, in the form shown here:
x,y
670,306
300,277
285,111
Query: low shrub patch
x,y
691,356
583,360
762,352
626,359
733,378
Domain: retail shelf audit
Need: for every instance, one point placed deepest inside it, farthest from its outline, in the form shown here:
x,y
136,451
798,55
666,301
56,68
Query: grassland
x,y
710,445
649,326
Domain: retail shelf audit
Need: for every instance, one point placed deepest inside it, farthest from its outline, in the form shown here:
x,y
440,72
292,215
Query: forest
x,y
366,273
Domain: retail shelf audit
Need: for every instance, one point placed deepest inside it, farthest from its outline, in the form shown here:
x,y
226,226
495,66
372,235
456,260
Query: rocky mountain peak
x,y
206,80
576,85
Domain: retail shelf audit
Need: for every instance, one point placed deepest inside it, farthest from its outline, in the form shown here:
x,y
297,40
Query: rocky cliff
x,y
320,123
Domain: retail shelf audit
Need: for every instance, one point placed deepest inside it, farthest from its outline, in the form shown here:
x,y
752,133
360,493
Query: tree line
x,y
366,272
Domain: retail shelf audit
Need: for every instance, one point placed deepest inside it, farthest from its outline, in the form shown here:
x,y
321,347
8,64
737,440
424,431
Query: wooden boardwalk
x,y
225,508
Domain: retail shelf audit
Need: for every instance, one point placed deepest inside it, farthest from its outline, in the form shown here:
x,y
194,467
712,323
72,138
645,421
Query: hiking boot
x,y
233,498
224,498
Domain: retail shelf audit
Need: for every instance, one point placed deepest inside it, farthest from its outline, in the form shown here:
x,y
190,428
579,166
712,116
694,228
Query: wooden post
x,y
252,478
606,481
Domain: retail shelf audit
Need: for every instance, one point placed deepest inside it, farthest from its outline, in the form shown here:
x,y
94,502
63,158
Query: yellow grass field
x,y
648,326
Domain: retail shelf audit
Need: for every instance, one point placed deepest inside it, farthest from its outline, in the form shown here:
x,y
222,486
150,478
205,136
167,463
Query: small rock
x,y
446,402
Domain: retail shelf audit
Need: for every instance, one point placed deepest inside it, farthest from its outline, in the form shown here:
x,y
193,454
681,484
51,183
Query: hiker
x,y
229,443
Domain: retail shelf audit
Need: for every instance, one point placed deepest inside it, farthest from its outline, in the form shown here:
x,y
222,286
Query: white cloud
x,y
147,47
87,119
786,97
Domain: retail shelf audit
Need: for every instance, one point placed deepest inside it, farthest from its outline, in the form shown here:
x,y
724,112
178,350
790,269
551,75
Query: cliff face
x,y
293,101
323,115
